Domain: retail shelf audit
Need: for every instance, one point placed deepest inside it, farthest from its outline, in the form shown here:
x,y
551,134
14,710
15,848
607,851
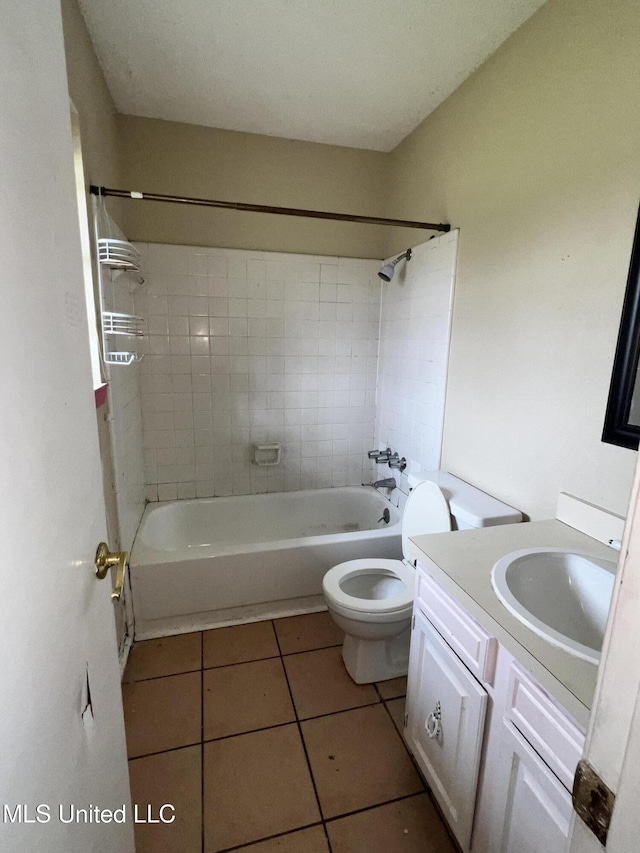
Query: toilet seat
x,y
364,589
426,511
369,575
371,600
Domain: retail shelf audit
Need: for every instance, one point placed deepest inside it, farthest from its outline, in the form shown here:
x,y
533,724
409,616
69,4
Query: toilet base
x,y
377,660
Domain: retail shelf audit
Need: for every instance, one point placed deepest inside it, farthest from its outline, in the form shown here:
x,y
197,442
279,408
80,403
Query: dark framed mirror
x,y
622,420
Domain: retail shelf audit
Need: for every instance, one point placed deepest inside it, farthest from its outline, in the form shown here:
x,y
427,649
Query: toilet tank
x,y
471,507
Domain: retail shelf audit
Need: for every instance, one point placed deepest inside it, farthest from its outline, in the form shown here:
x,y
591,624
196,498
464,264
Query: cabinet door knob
x,y
433,724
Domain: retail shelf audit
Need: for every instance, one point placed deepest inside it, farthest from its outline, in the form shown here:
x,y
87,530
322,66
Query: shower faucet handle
x,y
395,462
380,455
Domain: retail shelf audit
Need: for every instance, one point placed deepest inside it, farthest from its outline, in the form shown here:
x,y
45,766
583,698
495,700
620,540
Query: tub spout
x,y
389,483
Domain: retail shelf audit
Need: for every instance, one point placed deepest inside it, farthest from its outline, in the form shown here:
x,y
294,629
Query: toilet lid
x,y
370,585
426,511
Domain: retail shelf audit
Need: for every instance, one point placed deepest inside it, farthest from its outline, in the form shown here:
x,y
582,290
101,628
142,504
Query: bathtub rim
x,y
143,554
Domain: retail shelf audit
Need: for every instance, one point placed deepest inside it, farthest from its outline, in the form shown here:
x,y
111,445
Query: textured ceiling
x,y
362,73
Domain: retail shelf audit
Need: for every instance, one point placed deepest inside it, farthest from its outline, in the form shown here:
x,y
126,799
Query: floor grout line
x,y
158,677
374,806
240,662
341,711
270,837
405,745
326,835
162,751
308,651
323,821
326,821
251,731
225,665
267,728
251,660
300,735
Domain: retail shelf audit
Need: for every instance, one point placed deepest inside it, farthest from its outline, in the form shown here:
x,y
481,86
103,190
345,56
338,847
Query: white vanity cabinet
x,y
445,723
533,813
538,748
497,752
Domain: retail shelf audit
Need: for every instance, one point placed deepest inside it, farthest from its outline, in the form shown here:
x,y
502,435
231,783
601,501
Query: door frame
x,y
612,745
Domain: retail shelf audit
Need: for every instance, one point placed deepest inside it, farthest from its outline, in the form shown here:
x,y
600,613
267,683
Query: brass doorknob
x,y
105,559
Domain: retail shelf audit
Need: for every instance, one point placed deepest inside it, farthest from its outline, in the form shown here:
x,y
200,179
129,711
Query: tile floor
x,y
262,742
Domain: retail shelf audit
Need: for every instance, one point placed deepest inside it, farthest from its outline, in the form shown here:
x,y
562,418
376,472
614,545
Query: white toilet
x,y
371,599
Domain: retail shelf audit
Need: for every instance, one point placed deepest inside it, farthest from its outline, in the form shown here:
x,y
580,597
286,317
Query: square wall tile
x,y
167,491
225,314
406,416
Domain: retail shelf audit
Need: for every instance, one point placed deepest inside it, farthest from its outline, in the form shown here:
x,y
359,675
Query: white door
x,y
535,808
445,725
613,738
61,726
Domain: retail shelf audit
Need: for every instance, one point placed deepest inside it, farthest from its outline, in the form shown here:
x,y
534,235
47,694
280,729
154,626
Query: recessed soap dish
x,y
267,454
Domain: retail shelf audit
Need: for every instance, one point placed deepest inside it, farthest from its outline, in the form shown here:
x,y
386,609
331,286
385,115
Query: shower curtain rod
x,y
264,208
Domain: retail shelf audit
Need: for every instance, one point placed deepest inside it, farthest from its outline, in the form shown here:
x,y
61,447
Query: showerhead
x,y
387,271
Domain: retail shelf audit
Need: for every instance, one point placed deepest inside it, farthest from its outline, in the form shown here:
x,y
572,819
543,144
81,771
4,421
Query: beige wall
x,y
90,96
185,159
536,158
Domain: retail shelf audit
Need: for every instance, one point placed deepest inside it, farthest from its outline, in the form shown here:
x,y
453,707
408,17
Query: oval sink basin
x,y
562,595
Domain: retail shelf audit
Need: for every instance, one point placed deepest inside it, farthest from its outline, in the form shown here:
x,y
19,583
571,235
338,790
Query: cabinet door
x,y
446,709
534,807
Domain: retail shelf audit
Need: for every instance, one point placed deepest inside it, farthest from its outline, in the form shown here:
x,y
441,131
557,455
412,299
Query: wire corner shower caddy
x,y
120,258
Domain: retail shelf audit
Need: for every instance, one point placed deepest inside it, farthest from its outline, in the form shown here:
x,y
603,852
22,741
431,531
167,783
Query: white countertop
x,y
462,562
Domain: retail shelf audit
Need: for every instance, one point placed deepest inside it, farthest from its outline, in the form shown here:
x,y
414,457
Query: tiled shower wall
x,y
414,351
246,347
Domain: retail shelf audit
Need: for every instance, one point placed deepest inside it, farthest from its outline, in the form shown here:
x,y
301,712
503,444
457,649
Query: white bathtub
x,y
199,564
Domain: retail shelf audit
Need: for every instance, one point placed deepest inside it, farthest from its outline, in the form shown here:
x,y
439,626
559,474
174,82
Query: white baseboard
x,y
170,626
